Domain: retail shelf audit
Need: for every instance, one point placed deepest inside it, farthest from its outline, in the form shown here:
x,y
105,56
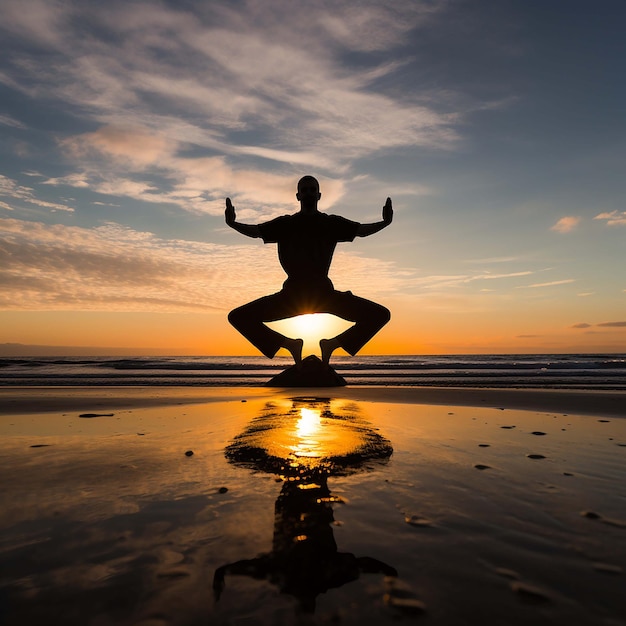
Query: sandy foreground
x,y
157,506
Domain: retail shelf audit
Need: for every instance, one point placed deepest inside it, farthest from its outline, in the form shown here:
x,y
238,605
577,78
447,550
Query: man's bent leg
x,y
248,320
327,347
368,316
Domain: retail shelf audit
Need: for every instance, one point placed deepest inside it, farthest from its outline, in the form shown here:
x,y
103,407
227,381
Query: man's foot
x,y
328,346
295,347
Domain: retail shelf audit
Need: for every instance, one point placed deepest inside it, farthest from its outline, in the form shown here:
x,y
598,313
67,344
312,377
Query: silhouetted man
x,y
306,242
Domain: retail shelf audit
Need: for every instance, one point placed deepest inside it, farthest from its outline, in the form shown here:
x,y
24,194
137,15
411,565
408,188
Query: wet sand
x,y
348,506
16,400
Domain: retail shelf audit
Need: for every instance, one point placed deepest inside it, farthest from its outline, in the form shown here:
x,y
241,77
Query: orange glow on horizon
x,y
68,333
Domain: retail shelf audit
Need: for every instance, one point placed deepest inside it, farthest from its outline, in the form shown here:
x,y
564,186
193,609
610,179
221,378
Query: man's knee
x,y
377,313
237,316
383,314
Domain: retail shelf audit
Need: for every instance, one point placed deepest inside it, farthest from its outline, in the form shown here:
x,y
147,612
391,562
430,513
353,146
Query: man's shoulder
x,y
276,221
280,218
339,218
318,216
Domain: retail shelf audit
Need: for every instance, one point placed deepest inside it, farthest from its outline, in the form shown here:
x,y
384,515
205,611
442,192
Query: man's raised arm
x,y
249,230
365,230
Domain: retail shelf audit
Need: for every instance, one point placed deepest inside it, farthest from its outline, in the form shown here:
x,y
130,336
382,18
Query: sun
x,y
311,328
311,325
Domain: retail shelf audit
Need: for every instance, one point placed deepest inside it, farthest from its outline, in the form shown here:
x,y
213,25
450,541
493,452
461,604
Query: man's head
x,y
308,192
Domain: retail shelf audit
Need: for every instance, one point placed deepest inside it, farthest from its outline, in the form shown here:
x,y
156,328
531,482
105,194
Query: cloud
x,y
265,84
162,175
566,224
550,284
601,325
489,276
456,280
7,120
136,146
495,260
113,268
11,189
369,26
614,218
41,23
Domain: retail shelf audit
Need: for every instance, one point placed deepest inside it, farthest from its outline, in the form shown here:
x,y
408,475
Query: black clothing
x,y
306,243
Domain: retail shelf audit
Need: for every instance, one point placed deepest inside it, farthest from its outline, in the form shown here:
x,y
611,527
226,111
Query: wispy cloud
x,y
550,284
614,218
457,280
111,267
494,260
156,173
601,325
226,81
7,120
11,189
566,224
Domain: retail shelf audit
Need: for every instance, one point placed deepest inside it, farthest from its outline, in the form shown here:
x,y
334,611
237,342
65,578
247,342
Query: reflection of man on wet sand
x,y
306,242
305,452
304,561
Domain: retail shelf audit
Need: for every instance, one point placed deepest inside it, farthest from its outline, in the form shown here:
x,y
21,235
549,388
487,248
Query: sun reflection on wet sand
x,y
307,427
305,434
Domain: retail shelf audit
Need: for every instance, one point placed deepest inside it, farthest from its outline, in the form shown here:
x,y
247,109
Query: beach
x,y
353,505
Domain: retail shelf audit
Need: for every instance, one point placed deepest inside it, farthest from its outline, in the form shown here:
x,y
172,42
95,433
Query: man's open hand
x,y
229,214
387,212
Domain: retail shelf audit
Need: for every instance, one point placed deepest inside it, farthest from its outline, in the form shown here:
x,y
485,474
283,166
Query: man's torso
x,y
306,243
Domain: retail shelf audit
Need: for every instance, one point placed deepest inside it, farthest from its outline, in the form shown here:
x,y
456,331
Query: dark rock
x,y
96,415
310,373
189,453
222,490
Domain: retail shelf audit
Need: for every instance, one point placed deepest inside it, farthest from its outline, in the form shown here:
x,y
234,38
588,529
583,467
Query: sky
x,y
497,128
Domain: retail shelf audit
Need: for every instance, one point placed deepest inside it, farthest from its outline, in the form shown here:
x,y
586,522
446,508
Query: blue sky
x,y
497,128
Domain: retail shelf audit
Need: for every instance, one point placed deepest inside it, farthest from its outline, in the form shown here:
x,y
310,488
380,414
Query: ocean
x,y
537,371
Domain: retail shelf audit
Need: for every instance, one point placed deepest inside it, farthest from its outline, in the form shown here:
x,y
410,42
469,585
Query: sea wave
x,y
571,371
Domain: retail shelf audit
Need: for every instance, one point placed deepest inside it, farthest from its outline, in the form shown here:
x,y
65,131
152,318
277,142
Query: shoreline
x,y
25,400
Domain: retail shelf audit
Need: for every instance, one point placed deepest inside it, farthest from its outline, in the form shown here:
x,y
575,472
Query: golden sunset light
x,y
509,221
312,312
